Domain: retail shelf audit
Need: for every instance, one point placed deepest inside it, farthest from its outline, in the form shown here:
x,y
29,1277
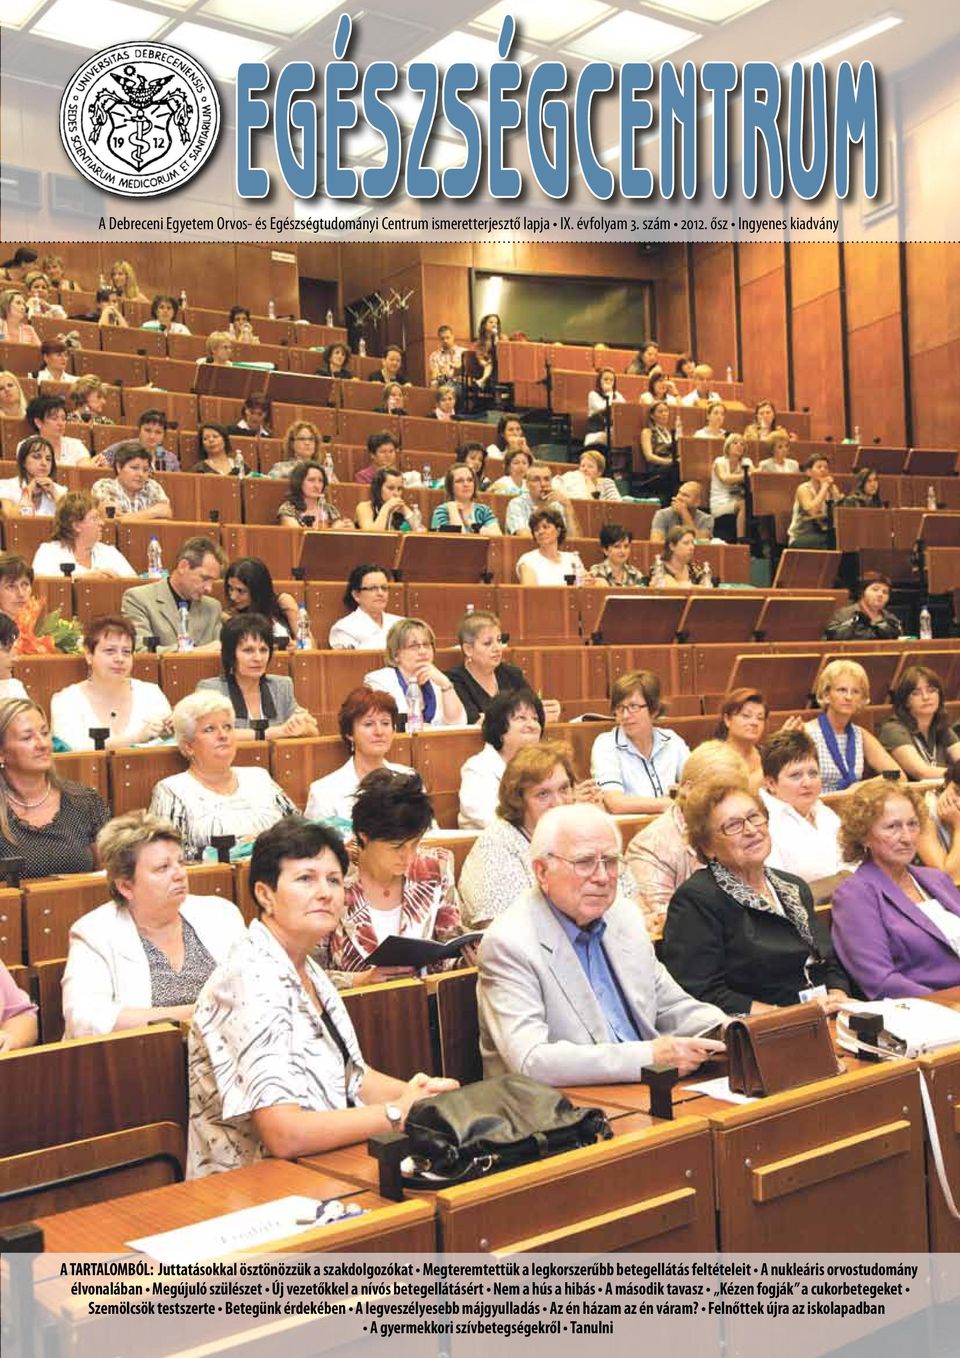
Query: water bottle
x,y
183,299
729,373
329,317
272,310
184,639
414,708
154,559
329,469
932,499
856,434
362,348
926,624
303,628
678,428
706,579
469,609
426,476
658,574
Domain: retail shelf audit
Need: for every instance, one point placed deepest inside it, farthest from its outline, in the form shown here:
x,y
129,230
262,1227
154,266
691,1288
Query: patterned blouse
x,y
258,1041
829,771
603,570
108,491
429,909
200,814
171,987
64,845
327,513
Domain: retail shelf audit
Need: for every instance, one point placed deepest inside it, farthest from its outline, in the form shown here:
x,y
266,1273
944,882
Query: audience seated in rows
x,y
212,798
145,955
896,925
129,711
738,934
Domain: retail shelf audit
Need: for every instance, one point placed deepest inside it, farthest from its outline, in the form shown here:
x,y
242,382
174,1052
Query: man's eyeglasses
x,y
586,866
735,827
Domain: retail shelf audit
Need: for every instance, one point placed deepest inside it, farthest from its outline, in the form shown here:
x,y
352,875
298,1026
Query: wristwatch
x,y
394,1116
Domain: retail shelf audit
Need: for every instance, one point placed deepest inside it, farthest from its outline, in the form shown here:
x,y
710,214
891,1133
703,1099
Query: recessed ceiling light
x,y
460,46
848,40
707,11
634,35
62,22
220,52
15,13
291,17
549,24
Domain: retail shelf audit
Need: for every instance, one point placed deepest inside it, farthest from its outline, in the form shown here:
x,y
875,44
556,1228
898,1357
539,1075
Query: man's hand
x,y
686,1053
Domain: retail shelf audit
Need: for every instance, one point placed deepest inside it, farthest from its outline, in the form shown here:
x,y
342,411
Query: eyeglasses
x,y
374,589
735,827
586,866
630,709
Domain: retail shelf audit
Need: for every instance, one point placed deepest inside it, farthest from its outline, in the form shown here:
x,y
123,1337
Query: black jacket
x,y
849,624
730,955
475,699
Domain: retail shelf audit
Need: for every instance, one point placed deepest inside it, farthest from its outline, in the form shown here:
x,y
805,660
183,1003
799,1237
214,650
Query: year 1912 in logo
x,y
139,119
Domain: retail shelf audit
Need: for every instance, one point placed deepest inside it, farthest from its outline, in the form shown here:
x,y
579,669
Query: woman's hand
x,y
420,1086
155,729
428,673
793,724
377,975
587,791
453,512
833,1001
470,953
298,724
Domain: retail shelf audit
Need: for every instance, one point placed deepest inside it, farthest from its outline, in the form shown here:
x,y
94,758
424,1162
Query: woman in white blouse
x,y
511,722
547,564
411,646
599,401
146,954
366,628
132,711
75,541
588,481
212,798
713,429
803,830
275,1066
368,723
34,490
727,489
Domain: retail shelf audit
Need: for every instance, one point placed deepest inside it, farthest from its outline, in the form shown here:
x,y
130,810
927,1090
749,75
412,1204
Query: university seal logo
x,y
139,119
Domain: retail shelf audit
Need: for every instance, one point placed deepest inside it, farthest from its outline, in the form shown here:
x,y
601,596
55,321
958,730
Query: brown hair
x,y
863,806
121,840
72,509
735,701
358,702
530,766
644,681
97,628
9,711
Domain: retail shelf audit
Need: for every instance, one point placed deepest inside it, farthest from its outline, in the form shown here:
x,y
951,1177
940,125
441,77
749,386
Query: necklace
x,y
29,806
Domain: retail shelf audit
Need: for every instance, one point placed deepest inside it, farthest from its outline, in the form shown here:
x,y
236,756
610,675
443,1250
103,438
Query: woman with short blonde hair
x,y
410,649
843,748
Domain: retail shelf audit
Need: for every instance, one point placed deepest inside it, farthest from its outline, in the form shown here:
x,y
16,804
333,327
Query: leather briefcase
x,y
780,1050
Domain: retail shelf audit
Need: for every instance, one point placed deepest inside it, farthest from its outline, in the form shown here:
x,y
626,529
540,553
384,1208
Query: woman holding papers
x,y
396,887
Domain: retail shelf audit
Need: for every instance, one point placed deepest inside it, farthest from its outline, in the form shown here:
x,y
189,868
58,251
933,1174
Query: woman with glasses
x,y
740,935
920,735
302,442
843,748
366,627
896,926
636,764
411,646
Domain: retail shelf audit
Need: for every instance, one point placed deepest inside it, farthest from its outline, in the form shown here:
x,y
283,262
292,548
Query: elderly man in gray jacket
x,y
570,991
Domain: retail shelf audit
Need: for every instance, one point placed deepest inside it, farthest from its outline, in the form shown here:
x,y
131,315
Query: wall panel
x,y
764,333
877,401
673,311
814,271
715,312
936,397
818,364
873,282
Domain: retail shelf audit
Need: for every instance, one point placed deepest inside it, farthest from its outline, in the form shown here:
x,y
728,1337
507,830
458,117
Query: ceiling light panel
x,y
286,19
549,24
630,37
15,13
845,41
220,52
63,23
707,11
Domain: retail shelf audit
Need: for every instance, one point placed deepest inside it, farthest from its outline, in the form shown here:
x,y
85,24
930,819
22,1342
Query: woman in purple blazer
x,y
896,927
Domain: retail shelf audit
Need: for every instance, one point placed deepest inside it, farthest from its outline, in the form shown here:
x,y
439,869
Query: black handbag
x,y
492,1125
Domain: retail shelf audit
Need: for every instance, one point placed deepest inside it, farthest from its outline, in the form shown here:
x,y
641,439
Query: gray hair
x,y
559,819
190,710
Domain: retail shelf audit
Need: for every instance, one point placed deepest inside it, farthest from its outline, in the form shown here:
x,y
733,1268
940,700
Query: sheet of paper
x,y
720,1089
211,1239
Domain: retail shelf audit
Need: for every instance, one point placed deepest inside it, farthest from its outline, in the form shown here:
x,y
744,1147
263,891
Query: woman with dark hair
x,y
75,541
132,711
510,437
514,479
14,325
480,363
546,564
246,649
462,509
512,721
391,369
163,316
308,506
599,401
656,437
810,527
47,822
275,1067
764,422
248,586
675,567
336,362
386,511
920,735
647,360
218,459
865,493
365,628
738,934
686,366
743,720
615,569
34,490
868,619
240,326
659,388
474,455
367,721
396,888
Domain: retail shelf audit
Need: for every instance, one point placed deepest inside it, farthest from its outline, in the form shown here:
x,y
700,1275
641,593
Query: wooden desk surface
x,y
104,1227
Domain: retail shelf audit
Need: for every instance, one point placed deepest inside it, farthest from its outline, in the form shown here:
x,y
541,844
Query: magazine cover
x,y
479,677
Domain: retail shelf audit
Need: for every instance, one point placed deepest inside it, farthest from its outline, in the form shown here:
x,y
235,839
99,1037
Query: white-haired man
x,y
570,991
